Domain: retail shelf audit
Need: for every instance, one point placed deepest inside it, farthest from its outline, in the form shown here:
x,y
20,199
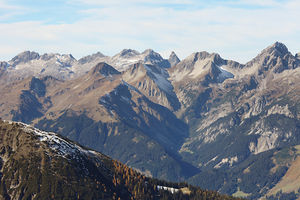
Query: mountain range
x,y
206,120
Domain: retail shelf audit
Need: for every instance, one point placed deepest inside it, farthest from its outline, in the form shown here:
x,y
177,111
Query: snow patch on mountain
x,y
160,78
60,146
170,189
229,160
224,74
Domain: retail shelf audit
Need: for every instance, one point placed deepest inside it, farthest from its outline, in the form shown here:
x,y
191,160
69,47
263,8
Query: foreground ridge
x,y
41,165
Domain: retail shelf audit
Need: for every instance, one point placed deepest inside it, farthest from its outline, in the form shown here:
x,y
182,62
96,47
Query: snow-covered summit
x,y
65,66
127,57
29,64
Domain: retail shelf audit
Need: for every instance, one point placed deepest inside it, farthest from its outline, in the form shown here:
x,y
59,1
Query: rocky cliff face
x,y
3,67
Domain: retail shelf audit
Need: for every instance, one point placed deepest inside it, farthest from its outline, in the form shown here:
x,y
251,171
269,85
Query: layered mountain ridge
x,y
172,119
65,66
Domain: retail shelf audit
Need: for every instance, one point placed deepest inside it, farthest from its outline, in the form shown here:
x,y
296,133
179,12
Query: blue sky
x,y
236,29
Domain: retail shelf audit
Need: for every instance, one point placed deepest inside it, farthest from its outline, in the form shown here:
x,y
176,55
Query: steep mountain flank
x,y
153,82
120,119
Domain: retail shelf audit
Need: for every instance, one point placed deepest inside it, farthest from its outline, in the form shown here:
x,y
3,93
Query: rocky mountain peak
x,y
217,59
123,60
276,58
297,56
152,57
173,59
278,49
24,57
148,51
90,58
199,55
201,67
104,69
127,53
203,55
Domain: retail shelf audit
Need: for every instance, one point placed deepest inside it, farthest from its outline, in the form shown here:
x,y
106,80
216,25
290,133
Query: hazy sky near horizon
x,y
236,29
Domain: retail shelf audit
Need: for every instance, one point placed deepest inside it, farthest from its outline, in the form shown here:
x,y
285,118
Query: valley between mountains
x,y
212,122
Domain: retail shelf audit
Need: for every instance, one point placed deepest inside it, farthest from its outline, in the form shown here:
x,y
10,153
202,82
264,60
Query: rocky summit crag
x,y
212,122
